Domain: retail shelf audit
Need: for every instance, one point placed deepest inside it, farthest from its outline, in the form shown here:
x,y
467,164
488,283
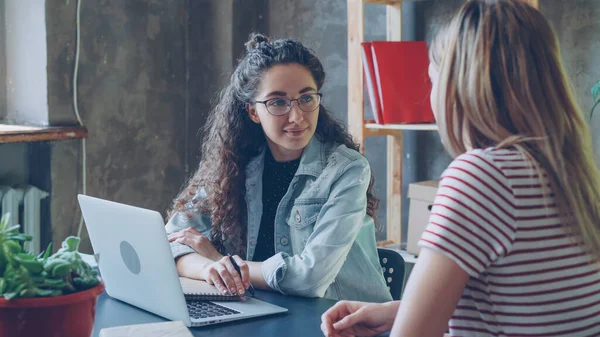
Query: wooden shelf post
x,y
356,118
394,144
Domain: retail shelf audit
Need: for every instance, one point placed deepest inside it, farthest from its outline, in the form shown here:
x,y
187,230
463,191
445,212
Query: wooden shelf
x,y
30,133
424,127
383,2
373,129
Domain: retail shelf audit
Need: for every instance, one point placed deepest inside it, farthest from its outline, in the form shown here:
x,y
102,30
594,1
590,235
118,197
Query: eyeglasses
x,y
280,106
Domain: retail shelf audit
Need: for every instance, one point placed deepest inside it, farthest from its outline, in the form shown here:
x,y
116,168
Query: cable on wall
x,y
76,108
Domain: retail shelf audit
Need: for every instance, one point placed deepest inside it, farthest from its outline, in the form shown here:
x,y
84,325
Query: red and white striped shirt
x,y
527,277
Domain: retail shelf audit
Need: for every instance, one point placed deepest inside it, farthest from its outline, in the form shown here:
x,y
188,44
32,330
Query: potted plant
x,y
45,294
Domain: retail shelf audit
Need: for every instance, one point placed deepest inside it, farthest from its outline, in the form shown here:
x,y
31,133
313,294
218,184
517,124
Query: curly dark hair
x,y
231,139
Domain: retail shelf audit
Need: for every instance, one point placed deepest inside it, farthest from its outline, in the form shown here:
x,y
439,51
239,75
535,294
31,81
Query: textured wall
x,y
149,73
322,25
132,98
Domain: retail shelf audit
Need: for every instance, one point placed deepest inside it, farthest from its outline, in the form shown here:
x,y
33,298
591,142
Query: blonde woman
x,y
513,238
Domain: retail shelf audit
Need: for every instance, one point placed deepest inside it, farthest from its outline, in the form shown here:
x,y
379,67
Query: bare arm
x,y
256,276
191,265
431,295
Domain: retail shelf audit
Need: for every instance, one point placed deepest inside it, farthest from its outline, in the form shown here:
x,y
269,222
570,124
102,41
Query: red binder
x,y
402,81
371,82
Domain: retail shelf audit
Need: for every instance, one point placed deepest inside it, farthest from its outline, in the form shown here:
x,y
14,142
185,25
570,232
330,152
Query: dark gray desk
x,y
303,318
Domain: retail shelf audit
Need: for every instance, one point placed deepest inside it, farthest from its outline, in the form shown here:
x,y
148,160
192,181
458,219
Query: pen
x,y
237,268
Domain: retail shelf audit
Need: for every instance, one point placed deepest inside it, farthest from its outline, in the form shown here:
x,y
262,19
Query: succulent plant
x,y
23,274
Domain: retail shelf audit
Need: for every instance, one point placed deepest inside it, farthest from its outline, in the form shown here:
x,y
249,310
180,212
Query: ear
x,y
252,113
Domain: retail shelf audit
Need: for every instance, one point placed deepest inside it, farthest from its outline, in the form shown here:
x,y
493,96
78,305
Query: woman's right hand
x,y
349,318
223,275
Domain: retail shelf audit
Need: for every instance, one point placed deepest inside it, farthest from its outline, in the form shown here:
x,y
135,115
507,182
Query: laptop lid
x,y
134,257
137,266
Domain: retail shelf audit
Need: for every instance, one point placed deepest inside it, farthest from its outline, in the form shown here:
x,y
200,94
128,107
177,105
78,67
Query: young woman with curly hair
x,y
281,186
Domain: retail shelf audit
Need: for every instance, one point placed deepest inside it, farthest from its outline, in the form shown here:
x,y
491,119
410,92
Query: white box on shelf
x,y
421,196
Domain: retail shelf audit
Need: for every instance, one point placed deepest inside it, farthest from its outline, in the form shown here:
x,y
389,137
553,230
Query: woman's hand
x,y
224,276
198,242
348,318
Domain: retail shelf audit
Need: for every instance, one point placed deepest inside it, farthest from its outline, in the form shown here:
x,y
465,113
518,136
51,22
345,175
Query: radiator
x,y
23,203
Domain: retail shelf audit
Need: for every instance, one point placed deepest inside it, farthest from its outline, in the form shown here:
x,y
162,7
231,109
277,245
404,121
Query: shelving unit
x,y
361,128
26,133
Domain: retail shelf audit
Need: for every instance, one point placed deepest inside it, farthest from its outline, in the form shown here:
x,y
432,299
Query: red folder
x,y
371,82
402,81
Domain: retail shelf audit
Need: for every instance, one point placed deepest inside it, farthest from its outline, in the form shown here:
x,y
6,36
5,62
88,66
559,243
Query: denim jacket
x,y
325,241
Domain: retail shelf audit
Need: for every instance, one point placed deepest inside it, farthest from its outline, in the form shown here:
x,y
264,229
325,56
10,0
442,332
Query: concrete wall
x,y
132,98
149,72
322,25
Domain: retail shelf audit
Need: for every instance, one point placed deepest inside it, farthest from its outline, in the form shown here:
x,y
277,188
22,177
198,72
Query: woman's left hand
x,y
198,242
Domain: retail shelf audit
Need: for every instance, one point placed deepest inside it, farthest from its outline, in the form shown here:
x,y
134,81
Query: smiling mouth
x,y
296,132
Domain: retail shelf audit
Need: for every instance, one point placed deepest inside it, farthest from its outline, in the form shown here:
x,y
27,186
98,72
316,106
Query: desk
x,y
302,319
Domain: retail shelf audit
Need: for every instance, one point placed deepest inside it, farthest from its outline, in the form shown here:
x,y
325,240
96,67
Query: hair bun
x,y
255,40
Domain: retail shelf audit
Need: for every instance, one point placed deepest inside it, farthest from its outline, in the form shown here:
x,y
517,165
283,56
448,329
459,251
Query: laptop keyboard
x,y
201,309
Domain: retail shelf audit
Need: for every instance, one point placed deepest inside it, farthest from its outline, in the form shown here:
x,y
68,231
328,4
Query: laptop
x,y
136,264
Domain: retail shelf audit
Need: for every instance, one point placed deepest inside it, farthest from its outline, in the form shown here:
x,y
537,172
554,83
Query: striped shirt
x,y
493,218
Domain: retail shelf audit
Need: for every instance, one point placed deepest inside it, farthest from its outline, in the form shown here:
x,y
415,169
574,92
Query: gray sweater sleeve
x,y
180,221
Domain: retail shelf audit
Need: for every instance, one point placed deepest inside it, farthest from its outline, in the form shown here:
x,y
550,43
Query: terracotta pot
x,y
61,316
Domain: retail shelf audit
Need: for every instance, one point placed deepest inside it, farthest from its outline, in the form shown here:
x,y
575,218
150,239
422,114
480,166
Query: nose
x,y
296,115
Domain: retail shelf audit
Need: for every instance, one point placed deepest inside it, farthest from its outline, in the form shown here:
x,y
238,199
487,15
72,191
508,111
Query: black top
x,y
276,180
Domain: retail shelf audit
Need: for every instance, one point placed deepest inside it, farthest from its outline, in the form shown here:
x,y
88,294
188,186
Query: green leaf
x,y
12,228
19,237
24,257
596,92
47,292
596,97
10,296
4,221
44,255
71,243
593,108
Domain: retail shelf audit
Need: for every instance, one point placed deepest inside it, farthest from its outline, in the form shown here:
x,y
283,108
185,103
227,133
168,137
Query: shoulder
x,y
335,153
482,174
482,163
345,165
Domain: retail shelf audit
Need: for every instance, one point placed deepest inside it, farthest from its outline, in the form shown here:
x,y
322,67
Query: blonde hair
x,y
502,84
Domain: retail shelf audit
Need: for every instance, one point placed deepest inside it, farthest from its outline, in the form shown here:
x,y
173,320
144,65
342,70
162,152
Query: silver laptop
x,y
137,266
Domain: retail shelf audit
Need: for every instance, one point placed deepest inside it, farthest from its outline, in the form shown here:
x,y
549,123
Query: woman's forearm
x,y
256,276
191,265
